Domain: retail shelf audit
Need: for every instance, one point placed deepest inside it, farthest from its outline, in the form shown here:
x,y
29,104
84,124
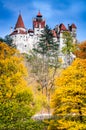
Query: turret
x,y
19,27
38,24
19,23
73,30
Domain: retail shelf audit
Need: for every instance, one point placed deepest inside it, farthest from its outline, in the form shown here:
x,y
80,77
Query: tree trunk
x,y
80,113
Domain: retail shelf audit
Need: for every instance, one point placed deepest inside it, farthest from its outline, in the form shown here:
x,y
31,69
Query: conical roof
x,y
39,14
73,25
20,23
62,27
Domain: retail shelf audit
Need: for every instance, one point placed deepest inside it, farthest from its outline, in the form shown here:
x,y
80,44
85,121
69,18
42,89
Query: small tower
x,y
19,35
20,24
72,28
38,24
19,27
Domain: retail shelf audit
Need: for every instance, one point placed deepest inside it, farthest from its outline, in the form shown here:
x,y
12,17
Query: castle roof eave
x,y
16,32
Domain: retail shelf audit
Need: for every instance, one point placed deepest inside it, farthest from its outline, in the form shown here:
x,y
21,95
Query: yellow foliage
x,y
12,74
6,51
69,99
16,98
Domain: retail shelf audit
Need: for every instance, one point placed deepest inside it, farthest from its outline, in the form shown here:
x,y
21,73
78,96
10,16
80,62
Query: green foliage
x,y
1,39
44,62
46,42
69,46
69,100
8,40
68,41
45,57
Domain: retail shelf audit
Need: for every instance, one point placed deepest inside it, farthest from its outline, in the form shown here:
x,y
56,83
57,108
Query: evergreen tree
x,y
44,61
1,39
46,43
8,40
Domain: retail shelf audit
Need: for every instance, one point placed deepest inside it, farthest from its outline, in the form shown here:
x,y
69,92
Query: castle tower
x,y
19,27
72,28
38,24
19,34
20,24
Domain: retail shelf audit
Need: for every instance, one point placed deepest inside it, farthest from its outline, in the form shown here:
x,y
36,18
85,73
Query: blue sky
x,y
54,11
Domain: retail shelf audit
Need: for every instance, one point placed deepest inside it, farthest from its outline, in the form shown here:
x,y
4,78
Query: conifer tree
x,y
44,61
46,42
9,41
47,51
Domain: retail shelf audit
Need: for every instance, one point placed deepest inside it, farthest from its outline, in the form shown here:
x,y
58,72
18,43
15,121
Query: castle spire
x,y
39,14
19,23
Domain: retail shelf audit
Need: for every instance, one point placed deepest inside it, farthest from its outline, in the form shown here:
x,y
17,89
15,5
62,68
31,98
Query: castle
x,y
26,39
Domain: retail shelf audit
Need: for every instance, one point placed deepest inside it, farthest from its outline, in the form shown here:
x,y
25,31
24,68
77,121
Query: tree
x,y
46,42
16,99
44,62
1,39
44,58
81,50
69,100
8,40
68,48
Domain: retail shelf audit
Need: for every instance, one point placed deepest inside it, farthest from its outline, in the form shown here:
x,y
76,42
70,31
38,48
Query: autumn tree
x,y
16,99
69,100
81,50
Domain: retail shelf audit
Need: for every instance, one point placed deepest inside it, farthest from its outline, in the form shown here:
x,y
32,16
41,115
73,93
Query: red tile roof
x,y
20,23
54,33
30,31
13,33
62,27
22,32
73,26
16,32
